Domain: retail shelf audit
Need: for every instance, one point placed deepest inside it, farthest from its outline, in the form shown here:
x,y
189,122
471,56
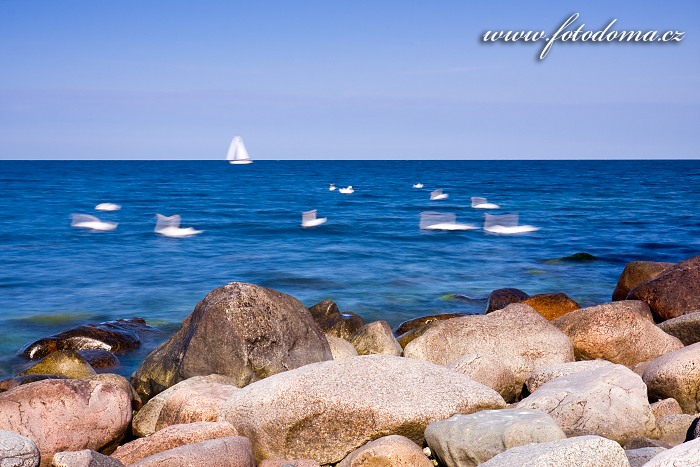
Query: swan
x,y
108,207
309,219
86,221
170,227
438,195
481,203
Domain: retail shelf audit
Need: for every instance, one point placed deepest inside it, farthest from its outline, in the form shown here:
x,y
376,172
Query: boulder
x,y
289,463
17,450
388,451
66,363
620,332
375,338
196,399
116,336
639,457
685,327
686,454
517,336
340,348
674,292
676,375
501,298
634,274
172,437
552,305
14,381
324,411
99,359
240,330
489,372
470,440
231,451
674,428
334,323
548,373
665,407
97,412
591,451
609,401
421,322
83,458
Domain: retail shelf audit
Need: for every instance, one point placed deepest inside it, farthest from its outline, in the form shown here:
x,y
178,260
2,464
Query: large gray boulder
x,y
676,375
620,332
548,373
17,450
685,327
240,330
674,292
591,451
470,440
490,372
610,401
517,336
323,411
67,414
683,455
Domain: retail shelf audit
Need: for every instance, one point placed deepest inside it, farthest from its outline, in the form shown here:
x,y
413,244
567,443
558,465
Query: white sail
x,y
237,153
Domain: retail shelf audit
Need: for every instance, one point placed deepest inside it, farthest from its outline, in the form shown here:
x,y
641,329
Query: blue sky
x,y
325,79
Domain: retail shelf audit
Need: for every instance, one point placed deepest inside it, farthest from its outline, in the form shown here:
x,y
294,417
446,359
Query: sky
x,y
319,79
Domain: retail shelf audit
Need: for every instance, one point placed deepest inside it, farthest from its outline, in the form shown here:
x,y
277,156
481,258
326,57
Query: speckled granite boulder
x,y
683,455
83,458
324,411
676,375
685,327
634,274
375,338
388,451
231,451
552,305
17,450
340,348
489,372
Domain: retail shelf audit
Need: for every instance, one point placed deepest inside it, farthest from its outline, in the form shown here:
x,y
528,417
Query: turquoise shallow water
x,y
370,257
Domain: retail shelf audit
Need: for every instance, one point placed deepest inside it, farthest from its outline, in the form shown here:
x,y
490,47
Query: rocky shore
x,y
254,378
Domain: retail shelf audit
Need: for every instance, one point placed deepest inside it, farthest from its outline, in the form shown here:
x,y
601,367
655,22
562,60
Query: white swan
x,y
442,221
481,203
309,219
347,190
170,227
506,224
86,221
108,207
417,185
437,195
331,187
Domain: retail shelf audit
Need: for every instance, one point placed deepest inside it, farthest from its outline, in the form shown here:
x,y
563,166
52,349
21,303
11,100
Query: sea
x,y
370,257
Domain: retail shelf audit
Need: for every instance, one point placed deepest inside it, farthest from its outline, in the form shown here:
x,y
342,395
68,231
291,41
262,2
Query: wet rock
x,y
388,451
685,327
195,399
422,321
66,363
172,437
324,411
580,257
231,451
489,372
620,332
84,458
17,450
501,298
552,305
240,330
591,451
470,440
99,359
674,292
340,348
609,401
676,375
97,413
375,338
517,336
116,336
634,274
333,322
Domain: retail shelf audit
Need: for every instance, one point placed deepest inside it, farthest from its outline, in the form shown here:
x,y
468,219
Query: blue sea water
x,y
370,257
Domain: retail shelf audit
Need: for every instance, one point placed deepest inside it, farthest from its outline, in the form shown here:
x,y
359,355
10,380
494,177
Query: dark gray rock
x,y
333,322
501,298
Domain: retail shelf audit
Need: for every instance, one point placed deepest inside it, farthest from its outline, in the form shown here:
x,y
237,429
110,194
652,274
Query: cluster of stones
x,y
253,377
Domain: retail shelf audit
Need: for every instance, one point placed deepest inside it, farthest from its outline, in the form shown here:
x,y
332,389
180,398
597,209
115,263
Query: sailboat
x,y
237,153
